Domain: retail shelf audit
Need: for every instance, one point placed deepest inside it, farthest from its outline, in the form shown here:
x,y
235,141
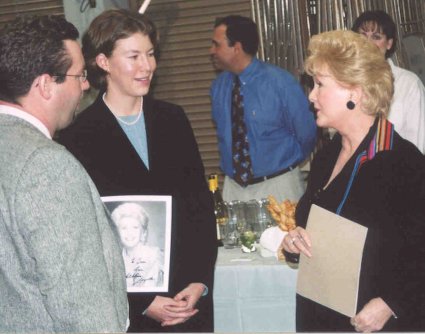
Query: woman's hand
x,y
190,296
373,316
297,241
168,311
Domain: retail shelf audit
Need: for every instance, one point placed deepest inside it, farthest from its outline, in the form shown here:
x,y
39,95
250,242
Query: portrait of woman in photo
x,y
143,263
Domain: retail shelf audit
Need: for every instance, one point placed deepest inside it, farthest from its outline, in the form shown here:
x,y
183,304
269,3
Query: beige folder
x,y
331,276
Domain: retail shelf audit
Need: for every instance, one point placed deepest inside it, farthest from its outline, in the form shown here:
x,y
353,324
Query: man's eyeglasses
x,y
81,77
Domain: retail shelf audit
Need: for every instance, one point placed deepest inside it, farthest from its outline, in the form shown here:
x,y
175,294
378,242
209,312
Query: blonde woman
x,y
370,175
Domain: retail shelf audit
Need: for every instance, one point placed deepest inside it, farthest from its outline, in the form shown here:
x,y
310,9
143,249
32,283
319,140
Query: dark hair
x,y
29,47
240,29
384,23
103,34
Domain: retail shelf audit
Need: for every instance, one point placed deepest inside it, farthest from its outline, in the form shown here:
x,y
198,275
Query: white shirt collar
x,y
9,110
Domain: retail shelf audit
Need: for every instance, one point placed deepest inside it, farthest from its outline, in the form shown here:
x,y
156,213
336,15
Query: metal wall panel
x,y
284,30
409,16
10,8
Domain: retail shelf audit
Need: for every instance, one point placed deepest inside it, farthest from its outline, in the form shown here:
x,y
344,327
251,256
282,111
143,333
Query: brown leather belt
x,y
268,177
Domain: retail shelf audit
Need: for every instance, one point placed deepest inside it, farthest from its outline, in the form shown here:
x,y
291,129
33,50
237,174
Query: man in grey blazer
x,y
61,267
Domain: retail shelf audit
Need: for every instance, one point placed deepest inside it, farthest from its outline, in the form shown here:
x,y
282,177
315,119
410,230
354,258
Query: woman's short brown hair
x,y
103,34
353,61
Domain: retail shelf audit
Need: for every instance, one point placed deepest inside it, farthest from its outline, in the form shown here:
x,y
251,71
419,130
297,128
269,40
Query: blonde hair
x,y
353,61
135,211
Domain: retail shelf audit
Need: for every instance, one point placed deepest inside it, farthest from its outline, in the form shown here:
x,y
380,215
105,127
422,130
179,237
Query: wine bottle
x,y
220,209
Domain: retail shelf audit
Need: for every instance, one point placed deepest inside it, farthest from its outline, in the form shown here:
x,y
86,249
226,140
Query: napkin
x,y
270,241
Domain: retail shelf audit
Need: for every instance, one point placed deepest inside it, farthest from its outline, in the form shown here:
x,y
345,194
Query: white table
x,y
253,294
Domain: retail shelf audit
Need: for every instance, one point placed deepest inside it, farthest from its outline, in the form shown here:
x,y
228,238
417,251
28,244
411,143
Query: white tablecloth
x,y
253,294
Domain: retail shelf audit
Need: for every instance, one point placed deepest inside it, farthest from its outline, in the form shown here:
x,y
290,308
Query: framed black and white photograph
x,y
144,227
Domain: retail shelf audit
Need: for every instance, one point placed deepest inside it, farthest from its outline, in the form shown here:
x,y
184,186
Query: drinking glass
x,y
265,216
231,235
251,214
237,215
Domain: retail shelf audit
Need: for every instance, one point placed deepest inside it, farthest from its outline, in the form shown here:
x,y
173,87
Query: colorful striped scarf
x,y
382,141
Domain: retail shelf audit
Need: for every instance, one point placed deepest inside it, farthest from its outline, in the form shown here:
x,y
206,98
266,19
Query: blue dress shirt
x,y
281,128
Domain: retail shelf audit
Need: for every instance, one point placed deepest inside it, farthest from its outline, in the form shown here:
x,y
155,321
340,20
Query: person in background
x,y
143,263
58,245
407,111
132,144
264,126
369,174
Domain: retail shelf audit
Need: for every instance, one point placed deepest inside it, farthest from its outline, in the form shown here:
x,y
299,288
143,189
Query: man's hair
x,y
29,47
378,20
103,34
240,29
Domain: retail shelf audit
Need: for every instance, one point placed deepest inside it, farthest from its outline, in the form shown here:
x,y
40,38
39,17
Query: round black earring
x,y
351,105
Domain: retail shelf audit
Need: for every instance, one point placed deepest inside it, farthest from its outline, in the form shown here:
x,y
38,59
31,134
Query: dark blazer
x,y
176,169
386,196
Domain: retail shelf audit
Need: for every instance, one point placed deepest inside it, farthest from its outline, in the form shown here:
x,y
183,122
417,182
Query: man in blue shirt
x,y
280,127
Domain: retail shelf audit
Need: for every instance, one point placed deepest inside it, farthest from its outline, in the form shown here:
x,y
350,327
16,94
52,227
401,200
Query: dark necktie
x,y
242,168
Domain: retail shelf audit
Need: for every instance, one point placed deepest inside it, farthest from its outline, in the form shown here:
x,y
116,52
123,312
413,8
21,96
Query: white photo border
x,y
144,201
